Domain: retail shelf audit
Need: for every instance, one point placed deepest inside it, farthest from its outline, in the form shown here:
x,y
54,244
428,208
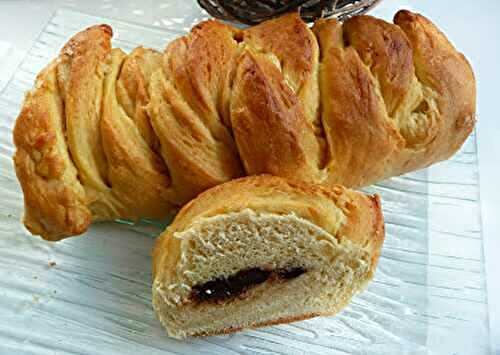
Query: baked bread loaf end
x,y
261,250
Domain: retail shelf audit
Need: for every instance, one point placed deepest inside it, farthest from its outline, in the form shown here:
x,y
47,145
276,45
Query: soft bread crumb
x,y
222,245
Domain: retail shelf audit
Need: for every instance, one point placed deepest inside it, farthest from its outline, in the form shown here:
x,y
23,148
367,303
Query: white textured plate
x,y
91,294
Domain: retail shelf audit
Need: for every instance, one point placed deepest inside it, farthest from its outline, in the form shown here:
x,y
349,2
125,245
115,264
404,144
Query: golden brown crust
x,y
388,94
343,104
132,90
450,80
141,191
186,100
290,41
54,199
268,122
81,71
359,135
385,49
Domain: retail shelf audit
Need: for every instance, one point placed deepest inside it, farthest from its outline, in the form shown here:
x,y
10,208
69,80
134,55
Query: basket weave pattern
x,y
251,12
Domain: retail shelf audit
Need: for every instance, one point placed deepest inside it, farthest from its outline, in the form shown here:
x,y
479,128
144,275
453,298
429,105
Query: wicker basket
x,y
251,12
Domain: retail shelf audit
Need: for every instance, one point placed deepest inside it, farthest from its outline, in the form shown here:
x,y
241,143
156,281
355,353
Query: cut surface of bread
x,y
259,251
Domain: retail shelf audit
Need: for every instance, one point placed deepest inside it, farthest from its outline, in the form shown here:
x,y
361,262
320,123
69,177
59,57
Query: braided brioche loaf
x,y
105,135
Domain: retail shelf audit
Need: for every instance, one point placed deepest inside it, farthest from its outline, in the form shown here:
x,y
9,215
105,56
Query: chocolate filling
x,y
290,273
223,288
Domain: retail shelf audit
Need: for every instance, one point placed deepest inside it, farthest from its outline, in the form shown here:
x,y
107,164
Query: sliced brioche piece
x,y
261,250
